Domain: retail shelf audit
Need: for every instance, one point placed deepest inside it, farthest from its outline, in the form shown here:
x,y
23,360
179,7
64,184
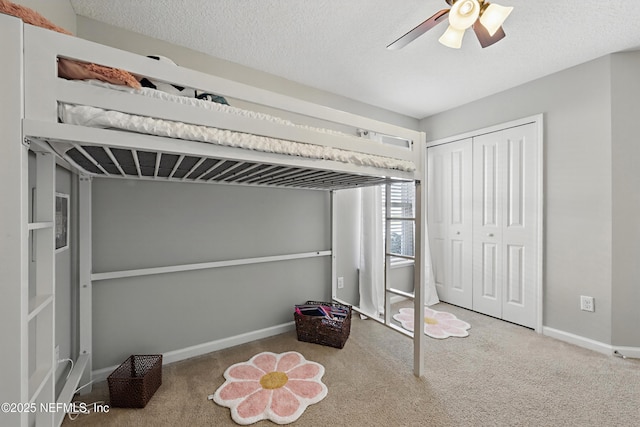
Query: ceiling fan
x,y
485,18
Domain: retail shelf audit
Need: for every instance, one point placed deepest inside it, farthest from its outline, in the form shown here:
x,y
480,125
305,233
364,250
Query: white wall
x,y
579,187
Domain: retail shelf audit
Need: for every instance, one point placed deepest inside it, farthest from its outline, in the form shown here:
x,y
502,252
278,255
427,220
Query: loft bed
x,y
60,111
89,128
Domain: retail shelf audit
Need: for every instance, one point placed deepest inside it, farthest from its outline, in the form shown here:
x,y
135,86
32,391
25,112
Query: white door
x,y
449,208
505,235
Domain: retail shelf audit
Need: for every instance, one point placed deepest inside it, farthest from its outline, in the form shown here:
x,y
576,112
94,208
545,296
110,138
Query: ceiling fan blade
x,y
419,30
484,38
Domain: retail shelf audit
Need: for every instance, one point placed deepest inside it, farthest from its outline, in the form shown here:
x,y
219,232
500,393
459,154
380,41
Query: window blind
x,y
402,207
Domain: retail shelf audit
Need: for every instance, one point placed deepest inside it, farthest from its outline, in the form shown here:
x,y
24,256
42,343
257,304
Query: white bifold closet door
x,y
505,224
449,219
482,215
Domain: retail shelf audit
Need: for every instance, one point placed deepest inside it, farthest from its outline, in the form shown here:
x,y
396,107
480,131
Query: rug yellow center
x,y
430,321
273,380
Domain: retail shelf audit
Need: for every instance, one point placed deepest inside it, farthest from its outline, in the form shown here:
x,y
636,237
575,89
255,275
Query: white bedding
x,y
96,117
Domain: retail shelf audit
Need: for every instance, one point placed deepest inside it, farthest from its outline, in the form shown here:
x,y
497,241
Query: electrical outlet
x,y
340,282
587,303
57,353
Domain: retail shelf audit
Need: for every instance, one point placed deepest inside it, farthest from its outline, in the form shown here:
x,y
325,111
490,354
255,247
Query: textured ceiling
x,y
339,45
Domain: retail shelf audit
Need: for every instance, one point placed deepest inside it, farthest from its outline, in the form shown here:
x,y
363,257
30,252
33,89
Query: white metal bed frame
x,y
30,123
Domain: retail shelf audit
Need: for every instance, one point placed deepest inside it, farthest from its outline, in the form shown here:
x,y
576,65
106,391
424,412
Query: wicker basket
x,y
135,381
318,330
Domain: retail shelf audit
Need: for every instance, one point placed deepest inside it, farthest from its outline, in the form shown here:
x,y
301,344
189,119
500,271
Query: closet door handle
x,y
490,235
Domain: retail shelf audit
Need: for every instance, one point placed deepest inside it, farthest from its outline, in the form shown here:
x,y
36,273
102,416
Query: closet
x,y
449,186
484,220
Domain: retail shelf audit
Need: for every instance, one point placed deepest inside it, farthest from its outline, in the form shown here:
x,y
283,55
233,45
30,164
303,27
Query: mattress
x,y
83,115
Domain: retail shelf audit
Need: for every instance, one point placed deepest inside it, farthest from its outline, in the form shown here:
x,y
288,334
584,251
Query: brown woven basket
x,y
318,330
135,381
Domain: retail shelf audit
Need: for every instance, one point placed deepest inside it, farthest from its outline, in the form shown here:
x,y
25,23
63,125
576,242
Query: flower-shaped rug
x,y
437,324
269,386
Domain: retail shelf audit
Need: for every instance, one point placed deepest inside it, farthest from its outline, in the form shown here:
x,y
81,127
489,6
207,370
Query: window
x,y
402,230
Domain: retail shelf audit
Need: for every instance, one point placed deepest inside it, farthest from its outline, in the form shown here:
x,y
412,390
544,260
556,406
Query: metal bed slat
x,y
318,180
157,166
282,171
245,172
221,169
194,167
136,161
300,174
90,158
354,180
114,160
262,168
341,182
325,183
313,177
278,170
279,177
73,163
175,167
230,173
226,171
292,173
210,169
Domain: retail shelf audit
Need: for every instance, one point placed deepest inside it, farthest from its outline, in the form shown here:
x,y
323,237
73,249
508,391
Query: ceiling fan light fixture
x,y
494,16
485,18
452,37
464,13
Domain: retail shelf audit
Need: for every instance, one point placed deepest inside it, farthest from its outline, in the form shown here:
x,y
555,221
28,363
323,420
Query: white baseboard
x,y
200,349
611,350
578,340
630,352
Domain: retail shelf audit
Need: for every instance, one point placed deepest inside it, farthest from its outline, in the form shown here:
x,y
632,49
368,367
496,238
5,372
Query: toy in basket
x,y
135,381
324,323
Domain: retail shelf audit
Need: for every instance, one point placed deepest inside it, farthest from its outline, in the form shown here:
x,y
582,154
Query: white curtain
x,y
430,292
371,252
371,283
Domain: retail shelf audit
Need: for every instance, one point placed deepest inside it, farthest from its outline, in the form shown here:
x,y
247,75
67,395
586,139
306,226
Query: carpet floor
x,y
500,375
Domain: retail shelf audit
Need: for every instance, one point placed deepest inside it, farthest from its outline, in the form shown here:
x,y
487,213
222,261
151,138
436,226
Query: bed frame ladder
x,y
389,220
390,291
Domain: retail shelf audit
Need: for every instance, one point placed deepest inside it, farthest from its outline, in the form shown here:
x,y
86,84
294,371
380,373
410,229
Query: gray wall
x,y
347,222
140,224
584,199
625,114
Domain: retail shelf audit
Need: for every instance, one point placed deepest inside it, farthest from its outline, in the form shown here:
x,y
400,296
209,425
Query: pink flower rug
x,y
437,324
269,386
